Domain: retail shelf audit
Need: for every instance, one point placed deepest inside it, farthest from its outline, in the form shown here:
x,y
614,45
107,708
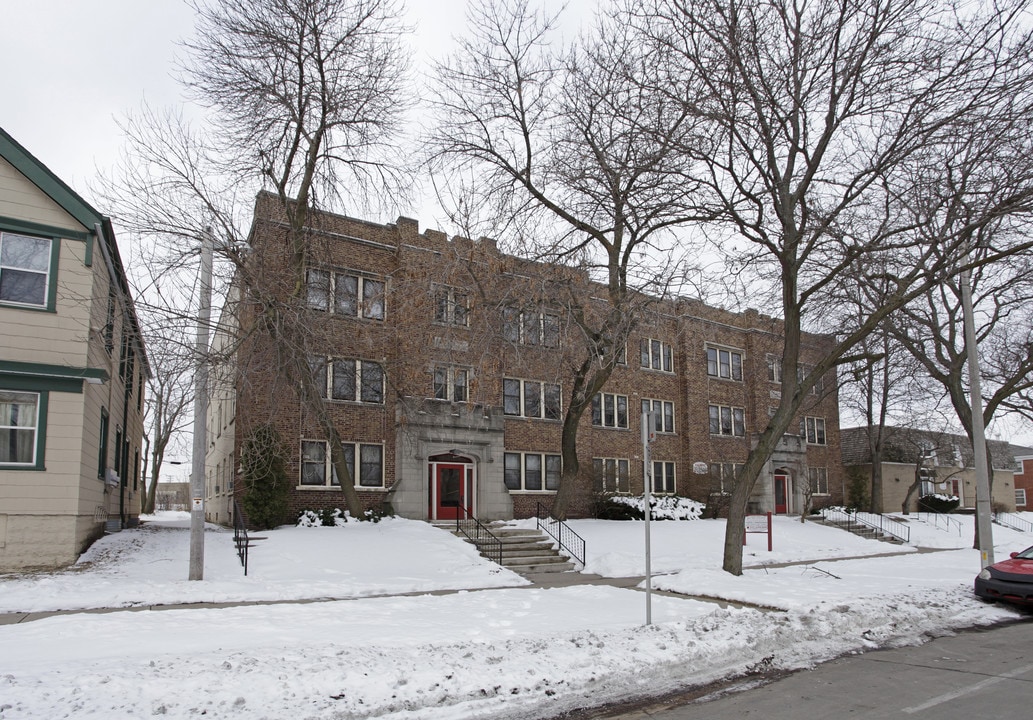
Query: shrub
x,y
609,507
264,473
938,503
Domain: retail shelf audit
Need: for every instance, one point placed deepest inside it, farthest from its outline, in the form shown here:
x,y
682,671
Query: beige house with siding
x,y
72,371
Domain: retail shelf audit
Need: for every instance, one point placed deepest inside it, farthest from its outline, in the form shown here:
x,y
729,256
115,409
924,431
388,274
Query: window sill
x,y
337,488
533,492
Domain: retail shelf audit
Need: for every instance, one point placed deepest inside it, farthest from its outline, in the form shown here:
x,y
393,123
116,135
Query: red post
x,y
769,531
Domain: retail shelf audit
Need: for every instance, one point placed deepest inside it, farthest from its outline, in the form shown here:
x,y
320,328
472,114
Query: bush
x,y
264,473
630,507
609,508
938,503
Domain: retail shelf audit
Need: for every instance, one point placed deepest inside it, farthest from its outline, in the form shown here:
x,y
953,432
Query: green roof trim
x,y
41,176
31,228
61,377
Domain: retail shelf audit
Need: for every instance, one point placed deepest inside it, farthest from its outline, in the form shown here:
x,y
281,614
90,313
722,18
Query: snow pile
x,y
519,652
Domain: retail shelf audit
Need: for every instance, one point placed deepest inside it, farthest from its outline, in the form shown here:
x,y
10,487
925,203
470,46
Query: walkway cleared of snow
x,y
517,652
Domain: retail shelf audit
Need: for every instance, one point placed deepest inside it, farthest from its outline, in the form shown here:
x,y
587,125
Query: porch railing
x,y
240,539
940,518
569,541
1010,520
487,543
850,520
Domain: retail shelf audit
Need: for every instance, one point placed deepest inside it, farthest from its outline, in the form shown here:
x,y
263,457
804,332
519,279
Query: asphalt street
x,y
978,673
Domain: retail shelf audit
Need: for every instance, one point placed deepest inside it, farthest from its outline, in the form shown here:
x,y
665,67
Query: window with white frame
x,y
663,414
774,368
451,306
724,363
813,429
726,420
19,428
609,410
531,398
803,371
532,472
345,294
664,482
656,355
612,475
1020,497
346,379
317,469
723,476
25,269
818,477
530,327
451,383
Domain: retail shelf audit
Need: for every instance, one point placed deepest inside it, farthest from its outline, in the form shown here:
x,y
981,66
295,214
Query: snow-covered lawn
x,y
501,652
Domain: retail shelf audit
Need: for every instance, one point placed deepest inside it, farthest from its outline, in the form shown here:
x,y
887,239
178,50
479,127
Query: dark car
x,y
1009,581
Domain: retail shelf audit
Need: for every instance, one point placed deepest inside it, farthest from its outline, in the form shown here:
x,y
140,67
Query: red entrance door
x,y
781,500
451,491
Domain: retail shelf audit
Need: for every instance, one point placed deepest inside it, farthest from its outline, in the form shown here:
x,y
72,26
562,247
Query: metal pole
x,y
197,489
984,533
647,481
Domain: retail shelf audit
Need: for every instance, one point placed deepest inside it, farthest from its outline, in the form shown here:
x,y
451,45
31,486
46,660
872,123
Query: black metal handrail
x,y
940,517
240,535
569,541
488,544
873,521
1010,520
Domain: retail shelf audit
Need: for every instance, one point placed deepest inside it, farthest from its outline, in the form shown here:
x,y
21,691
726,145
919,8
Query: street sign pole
x,y
648,435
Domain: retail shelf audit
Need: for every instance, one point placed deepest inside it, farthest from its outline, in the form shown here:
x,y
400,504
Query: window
x,y
663,414
19,428
610,410
451,306
813,428
355,380
317,471
451,383
726,420
774,368
533,472
530,327
724,364
656,355
663,478
612,475
530,398
1020,497
345,294
723,476
25,269
102,459
819,480
803,371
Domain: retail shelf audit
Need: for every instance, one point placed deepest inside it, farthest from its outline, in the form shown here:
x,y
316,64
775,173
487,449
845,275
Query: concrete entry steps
x,y
525,551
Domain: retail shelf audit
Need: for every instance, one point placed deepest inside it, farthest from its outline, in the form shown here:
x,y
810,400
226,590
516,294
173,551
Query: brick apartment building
x,y
447,366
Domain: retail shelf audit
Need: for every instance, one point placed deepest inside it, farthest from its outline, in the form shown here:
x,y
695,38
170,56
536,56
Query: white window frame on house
x,y
1020,497
537,472
366,376
20,428
774,363
26,265
531,399
818,478
607,409
367,300
722,477
802,371
727,420
813,430
725,363
451,383
613,475
663,418
451,306
656,355
367,479
665,478
534,328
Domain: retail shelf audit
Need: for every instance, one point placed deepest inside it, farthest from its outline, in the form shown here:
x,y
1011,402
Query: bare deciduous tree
x,y
578,160
824,117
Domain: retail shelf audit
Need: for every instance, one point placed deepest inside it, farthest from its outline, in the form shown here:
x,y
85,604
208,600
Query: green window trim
x,y
41,430
50,305
59,378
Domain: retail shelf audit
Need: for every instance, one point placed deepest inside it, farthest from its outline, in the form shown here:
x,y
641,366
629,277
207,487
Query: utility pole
x,y
197,489
984,533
